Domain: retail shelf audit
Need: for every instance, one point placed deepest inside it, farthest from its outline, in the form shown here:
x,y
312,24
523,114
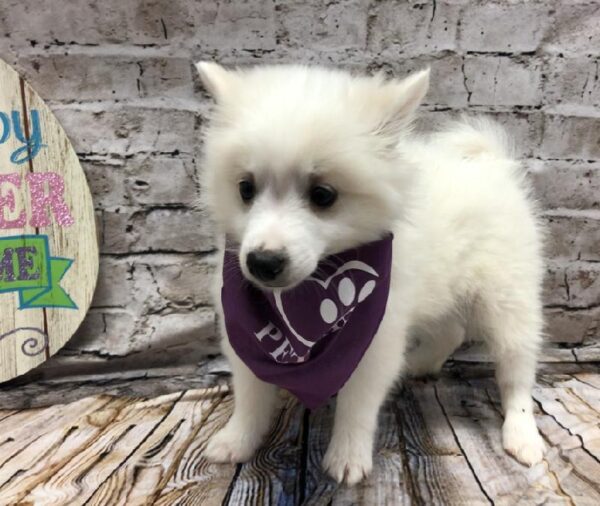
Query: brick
x,y
249,25
137,22
129,130
572,326
114,286
127,283
117,237
165,77
116,334
573,237
153,283
504,27
555,285
590,349
161,180
75,21
315,25
181,230
186,282
573,81
410,29
193,333
127,230
447,87
217,27
571,137
569,185
584,285
80,77
503,81
575,30
106,182
104,332
144,180
77,77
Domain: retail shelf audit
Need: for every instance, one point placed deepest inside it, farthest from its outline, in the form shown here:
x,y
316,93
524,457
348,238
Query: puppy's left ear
x,y
397,101
407,94
218,81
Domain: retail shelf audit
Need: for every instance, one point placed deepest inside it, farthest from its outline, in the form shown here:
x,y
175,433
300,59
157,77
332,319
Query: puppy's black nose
x,y
266,265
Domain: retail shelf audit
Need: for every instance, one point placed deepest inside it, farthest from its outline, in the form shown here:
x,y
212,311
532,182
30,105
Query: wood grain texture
x,y
392,482
434,461
42,457
197,481
273,476
75,242
77,481
318,488
439,443
151,465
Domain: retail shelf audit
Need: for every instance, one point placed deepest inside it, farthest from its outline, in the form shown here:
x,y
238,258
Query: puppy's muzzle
x,y
266,265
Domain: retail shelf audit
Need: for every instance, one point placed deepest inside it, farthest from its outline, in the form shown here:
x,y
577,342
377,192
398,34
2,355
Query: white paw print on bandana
x,y
347,295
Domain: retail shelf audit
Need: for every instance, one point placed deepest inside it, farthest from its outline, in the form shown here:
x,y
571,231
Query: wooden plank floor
x,y
439,443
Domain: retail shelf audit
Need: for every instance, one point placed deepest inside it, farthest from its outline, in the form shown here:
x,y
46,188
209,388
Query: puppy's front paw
x,y
522,440
231,445
349,460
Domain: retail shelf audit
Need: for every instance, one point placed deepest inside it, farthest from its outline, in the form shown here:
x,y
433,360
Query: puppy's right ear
x,y
218,81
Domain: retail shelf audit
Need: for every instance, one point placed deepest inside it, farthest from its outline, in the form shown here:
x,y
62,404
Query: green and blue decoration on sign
x,y
27,267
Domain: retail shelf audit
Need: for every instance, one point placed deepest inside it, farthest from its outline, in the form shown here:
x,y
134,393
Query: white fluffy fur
x,y
467,247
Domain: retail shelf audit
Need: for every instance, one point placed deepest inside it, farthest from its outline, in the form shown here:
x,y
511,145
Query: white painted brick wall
x,y
119,76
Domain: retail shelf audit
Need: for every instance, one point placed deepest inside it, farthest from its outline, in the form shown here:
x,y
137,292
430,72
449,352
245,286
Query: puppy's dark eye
x,y
323,195
247,190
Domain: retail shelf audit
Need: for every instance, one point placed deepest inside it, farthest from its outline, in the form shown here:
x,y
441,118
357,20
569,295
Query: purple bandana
x,y
310,339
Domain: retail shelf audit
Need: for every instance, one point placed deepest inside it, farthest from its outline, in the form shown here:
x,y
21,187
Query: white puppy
x,y
467,244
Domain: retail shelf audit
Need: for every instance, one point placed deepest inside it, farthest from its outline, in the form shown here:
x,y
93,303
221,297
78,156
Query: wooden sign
x,y
48,248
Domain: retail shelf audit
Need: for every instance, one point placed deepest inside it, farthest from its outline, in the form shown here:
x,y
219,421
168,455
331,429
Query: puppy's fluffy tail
x,y
476,137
